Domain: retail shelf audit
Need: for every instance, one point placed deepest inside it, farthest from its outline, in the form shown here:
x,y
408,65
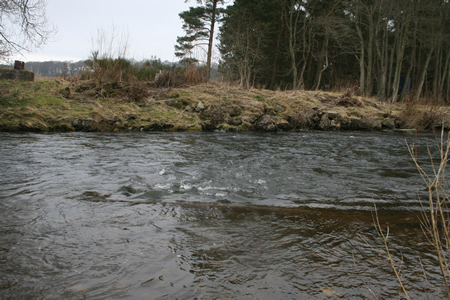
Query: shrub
x,y
107,70
420,116
195,75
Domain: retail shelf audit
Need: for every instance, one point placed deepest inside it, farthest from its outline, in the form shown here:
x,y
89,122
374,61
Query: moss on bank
x,y
51,105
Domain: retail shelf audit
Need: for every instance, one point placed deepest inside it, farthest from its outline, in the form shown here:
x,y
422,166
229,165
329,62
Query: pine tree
x,y
199,24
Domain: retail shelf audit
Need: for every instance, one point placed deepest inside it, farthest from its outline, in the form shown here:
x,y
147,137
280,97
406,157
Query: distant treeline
x,y
67,69
337,44
57,68
54,68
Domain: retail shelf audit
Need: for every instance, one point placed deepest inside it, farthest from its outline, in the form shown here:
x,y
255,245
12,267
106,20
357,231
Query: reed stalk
x,y
435,218
435,221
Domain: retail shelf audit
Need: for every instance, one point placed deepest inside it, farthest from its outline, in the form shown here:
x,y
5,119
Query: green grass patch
x,y
259,97
41,106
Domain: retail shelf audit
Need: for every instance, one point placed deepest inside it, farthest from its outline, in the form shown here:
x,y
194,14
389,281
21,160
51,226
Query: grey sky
x,y
151,25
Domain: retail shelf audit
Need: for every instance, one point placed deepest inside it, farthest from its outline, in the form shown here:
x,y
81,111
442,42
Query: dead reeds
x,y
435,215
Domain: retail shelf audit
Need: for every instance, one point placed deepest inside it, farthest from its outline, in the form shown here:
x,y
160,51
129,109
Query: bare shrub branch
x,y
435,217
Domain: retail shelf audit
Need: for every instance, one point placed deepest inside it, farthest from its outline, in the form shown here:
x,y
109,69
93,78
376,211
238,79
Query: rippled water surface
x,y
209,215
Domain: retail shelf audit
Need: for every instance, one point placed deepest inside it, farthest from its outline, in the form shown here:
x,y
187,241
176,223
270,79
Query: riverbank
x,y
58,106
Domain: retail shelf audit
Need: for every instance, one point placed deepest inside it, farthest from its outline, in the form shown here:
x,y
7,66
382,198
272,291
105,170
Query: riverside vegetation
x,y
53,105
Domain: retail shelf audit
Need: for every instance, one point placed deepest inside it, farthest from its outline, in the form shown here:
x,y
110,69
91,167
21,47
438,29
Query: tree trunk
x,y
323,65
211,40
307,35
389,69
370,51
423,75
413,42
383,54
445,76
362,70
408,73
292,28
447,97
275,65
401,36
437,72
398,73
362,63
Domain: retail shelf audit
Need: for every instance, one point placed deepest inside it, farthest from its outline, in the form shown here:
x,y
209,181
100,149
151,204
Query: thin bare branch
x,y
23,26
390,260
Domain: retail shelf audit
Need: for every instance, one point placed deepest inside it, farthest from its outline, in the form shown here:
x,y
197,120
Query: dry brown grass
x,y
230,107
422,117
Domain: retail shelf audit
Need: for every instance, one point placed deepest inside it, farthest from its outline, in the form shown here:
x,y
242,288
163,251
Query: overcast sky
x,y
151,25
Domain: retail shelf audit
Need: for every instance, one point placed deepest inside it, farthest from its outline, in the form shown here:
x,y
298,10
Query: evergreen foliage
x,y
388,48
199,24
196,31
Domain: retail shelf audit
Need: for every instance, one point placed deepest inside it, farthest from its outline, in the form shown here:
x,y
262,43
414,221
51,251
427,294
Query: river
x,y
210,215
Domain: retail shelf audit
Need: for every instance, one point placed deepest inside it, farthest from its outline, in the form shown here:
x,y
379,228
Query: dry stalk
x,y
390,260
435,221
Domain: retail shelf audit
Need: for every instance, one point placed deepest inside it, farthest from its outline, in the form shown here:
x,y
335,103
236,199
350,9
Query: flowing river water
x,y
210,215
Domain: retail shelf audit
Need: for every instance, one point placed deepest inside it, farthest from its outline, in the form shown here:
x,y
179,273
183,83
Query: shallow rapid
x,y
210,215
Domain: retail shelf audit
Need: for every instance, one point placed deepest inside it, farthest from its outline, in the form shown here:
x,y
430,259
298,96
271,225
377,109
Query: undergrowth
x,y
421,117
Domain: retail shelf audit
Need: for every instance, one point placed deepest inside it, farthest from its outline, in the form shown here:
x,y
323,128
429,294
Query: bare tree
x,y
241,45
23,26
293,19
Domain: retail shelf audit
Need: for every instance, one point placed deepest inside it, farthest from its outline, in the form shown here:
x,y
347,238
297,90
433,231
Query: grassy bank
x,y
56,105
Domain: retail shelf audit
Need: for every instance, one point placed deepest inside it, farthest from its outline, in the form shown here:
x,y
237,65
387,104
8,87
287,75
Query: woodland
x,y
394,50
390,49
387,48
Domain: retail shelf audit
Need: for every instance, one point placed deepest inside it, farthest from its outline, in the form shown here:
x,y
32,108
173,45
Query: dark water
x,y
209,215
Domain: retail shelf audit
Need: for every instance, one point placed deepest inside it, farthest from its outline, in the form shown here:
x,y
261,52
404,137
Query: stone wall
x,y
10,74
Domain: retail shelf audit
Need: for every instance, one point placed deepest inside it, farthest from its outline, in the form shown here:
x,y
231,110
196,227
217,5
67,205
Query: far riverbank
x,y
60,106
